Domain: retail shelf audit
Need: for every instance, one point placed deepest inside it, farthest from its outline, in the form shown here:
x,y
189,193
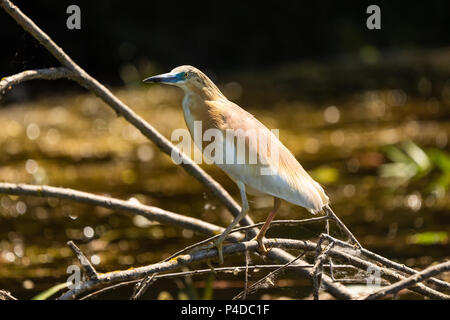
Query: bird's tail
x,y
341,225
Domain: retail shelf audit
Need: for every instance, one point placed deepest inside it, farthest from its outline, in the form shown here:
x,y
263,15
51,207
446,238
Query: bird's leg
x,y
244,209
259,237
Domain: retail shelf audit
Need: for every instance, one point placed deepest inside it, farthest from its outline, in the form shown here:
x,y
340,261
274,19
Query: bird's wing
x,y
288,180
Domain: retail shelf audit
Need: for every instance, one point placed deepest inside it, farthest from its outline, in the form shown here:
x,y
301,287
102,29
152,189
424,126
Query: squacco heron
x,y
204,103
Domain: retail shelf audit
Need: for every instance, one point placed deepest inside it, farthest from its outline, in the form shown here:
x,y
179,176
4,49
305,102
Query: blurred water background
x,y
372,125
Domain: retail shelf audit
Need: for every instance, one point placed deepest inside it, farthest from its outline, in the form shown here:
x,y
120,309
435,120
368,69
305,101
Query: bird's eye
x,y
185,75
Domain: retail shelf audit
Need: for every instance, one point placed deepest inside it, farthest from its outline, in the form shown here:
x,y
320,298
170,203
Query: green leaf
x,y
49,292
209,287
440,158
429,238
417,155
398,170
396,155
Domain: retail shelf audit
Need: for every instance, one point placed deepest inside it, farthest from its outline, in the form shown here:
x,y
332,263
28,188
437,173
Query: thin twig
x,y
442,285
247,260
386,273
359,281
6,295
267,277
88,268
336,219
316,271
141,287
44,74
410,281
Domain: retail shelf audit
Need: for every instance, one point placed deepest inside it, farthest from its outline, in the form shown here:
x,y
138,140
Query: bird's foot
x,y
219,245
261,247
210,265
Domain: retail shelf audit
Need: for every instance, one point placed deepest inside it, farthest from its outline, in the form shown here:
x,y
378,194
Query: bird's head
x,y
185,77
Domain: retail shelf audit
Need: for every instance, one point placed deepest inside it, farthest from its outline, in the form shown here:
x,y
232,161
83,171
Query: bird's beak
x,y
164,78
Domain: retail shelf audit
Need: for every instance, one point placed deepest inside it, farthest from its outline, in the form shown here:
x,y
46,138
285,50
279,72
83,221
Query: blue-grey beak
x,y
164,78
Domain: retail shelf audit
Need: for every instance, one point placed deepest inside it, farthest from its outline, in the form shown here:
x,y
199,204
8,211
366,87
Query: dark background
x,y
221,36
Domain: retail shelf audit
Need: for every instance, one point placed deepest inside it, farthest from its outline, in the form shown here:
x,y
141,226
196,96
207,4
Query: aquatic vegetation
x,y
411,163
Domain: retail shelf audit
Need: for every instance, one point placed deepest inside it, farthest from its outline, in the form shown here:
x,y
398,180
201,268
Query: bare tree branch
x,y
316,271
267,277
158,214
386,273
442,285
247,260
43,74
5,295
410,281
142,286
110,278
149,212
234,270
88,268
341,225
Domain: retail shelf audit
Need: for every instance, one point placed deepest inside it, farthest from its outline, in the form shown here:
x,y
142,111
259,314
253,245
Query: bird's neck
x,y
196,107
205,90
193,104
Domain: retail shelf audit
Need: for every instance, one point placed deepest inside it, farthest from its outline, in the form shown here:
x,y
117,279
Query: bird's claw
x,y
261,247
210,265
219,245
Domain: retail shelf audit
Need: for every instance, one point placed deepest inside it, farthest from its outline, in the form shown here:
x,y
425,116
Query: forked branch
x,y
410,281
7,83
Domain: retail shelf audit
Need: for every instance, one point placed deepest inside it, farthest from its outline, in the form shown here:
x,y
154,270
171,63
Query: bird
x,y
284,178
